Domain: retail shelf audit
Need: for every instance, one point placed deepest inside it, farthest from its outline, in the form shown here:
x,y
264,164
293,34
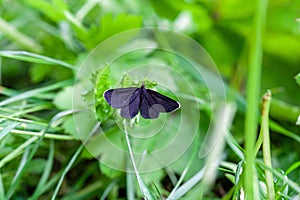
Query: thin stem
x,y
140,182
253,88
146,193
266,145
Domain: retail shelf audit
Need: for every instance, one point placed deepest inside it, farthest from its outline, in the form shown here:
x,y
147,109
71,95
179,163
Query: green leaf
x,y
70,127
286,45
53,10
110,25
109,172
103,110
40,72
63,99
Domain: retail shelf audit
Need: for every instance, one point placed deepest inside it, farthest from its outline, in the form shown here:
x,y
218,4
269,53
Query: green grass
x,y
44,45
253,90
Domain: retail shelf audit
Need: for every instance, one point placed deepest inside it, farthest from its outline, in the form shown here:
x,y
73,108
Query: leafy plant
x,y
59,139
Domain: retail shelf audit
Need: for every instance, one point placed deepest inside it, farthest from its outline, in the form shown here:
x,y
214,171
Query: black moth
x,y
131,100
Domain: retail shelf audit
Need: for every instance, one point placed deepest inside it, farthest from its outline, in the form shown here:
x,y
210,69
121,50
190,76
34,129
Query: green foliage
x,y
43,45
103,110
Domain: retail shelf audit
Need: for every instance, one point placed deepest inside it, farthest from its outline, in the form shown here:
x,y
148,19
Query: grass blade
x,y
186,169
182,190
222,124
281,176
253,89
129,186
22,163
35,58
5,131
144,189
68,167
17,151
35,148
34,92
42,182
18,37
2,190
109,188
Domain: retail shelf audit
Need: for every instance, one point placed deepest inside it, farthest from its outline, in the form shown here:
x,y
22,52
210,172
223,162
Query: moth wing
x,y
120,97
165,104
132,109
147,106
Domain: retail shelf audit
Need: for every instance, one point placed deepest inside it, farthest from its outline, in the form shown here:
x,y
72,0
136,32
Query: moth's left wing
x,y
164,103
120,97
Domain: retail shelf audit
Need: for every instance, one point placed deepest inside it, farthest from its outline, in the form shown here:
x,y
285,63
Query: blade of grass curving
x,y
280,129
35,58
66,170
46,173
144,189
184,188
187,167
293,167
2,190
5,131
18,37
34,92
22,163
109,188
253,89
234,145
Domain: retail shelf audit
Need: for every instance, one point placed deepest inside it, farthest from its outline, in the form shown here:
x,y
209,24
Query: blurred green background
x,y
68,30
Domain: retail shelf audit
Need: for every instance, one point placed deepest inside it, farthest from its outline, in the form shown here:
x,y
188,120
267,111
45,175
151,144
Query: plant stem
x,y
253,88
147,195
266,144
